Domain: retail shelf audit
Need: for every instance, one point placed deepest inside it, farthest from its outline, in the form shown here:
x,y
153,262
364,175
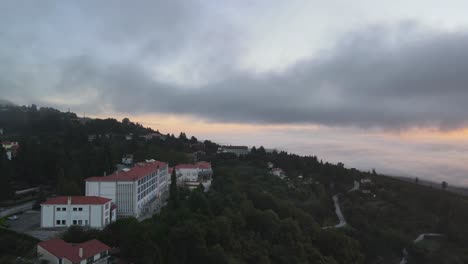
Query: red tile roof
x,y
77,200
198,165
140,170
62,249
204,165
186,166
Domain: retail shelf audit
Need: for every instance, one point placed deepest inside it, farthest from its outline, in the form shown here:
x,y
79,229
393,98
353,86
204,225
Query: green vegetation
x,y
14,245
248,216
60,150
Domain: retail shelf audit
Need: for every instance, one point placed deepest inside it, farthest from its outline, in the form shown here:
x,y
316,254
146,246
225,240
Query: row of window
x,y
63,209
74,222
146,192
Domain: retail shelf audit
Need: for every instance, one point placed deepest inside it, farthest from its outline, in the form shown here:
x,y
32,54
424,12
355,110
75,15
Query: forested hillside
x,y
248,215
59,150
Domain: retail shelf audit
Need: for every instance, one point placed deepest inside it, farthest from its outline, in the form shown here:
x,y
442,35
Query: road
x,y
420,238
339,214
355,187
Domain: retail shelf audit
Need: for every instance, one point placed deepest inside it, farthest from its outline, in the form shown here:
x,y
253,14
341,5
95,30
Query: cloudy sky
x,y
374,84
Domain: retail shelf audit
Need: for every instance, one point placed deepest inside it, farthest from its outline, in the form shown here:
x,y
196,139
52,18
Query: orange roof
x,y
62,249
77,200
140,170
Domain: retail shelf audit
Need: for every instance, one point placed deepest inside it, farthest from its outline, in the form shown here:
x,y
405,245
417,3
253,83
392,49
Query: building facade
x,y
57,251
134,190
11,148
238,150
64,211
191,175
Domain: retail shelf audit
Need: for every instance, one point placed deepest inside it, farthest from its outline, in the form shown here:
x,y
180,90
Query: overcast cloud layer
x,y
202,59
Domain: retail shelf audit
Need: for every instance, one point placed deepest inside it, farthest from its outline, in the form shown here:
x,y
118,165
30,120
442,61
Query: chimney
x,y
69,200
80,252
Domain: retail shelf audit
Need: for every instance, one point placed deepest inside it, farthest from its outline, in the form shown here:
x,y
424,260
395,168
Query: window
x,y
74,222
58,209
57,222
86,222
75,209
64,209
64,222
80,222
80,209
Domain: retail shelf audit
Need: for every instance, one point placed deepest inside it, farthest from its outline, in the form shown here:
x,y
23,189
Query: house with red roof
x,y
57,251
64,211
191,175
135,191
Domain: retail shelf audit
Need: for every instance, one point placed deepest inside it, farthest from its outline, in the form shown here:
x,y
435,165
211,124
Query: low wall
x,y
17,209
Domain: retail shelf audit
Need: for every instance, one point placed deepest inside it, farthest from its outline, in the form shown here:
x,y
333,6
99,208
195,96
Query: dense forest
x,y
248,215
58,149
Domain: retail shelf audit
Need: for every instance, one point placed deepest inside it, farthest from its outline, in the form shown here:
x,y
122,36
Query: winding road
x,y
420,238
339,214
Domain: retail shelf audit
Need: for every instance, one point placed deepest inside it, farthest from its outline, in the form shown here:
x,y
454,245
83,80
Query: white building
x,y
366,181
64,211
191,175
238,150
135,190
11,148
278,172
57,251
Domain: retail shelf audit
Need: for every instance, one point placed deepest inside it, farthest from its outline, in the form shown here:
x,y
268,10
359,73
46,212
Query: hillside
x,y
249,215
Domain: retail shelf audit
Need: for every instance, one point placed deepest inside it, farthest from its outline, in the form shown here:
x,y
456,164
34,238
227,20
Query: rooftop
x,y
236,147
140,170
198,165
77,200
62,249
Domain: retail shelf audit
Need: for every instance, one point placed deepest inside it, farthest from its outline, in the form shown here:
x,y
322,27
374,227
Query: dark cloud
x,y
421,82
393,78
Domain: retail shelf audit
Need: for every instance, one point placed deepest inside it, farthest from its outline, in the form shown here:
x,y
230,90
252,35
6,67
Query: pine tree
x,y
173,191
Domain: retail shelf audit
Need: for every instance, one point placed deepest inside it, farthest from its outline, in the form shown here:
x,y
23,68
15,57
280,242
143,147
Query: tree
x,y
6,190
173,191
444,185
183,136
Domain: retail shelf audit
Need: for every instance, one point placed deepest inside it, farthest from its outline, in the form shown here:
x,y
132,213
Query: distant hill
x,y
437,185
4,102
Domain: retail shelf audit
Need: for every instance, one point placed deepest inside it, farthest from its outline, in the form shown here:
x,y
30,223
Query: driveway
x,y
29,223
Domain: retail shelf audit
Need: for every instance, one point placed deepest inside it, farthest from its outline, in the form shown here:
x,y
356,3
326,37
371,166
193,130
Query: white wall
x,y
188,174
92,215
102,189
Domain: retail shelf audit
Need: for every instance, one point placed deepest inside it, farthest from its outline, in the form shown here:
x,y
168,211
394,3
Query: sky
x,y
372,84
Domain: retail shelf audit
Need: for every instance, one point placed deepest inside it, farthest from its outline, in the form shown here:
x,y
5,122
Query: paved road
x,y
355,187
29,223
420,238
339,214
